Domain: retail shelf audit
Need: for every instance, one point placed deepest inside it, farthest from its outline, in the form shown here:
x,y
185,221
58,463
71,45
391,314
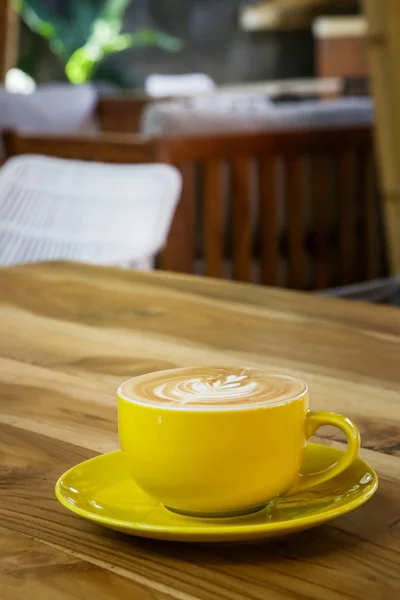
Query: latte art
x,y
207,389
212,387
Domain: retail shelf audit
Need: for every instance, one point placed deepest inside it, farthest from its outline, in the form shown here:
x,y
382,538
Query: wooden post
x,y
384,55
9,25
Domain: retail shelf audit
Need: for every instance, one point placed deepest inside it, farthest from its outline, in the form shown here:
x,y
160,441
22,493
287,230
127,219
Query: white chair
x,y
57,209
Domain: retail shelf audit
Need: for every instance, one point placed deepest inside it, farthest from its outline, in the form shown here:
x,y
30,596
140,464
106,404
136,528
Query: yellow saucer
x,y
102,491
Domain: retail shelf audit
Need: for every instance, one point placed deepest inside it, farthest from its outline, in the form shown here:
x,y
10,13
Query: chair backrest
x,y
303,204
297,209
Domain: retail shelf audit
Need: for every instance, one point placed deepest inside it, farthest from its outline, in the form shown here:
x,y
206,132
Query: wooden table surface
x,y
69,334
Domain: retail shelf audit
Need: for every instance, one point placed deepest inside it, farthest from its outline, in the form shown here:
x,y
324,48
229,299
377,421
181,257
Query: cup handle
x,y
315,420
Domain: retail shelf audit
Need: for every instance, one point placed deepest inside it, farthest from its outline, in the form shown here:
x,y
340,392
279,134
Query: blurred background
x,y
232,41
277,114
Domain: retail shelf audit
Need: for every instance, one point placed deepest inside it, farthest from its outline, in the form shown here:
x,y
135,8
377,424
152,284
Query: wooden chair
x,y
320,184
296,209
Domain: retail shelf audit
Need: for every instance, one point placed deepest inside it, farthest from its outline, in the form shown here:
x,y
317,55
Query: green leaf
x,y
37,24
44,23
150,37
141,39
80,66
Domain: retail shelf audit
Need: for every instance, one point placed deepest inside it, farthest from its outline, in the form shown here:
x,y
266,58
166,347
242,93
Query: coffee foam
x,y
212,388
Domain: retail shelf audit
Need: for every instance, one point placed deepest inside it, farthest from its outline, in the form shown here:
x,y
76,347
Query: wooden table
x,y
69,334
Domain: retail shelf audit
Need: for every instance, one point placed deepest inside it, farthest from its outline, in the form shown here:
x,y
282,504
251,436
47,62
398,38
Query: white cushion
x,y
251,113
54,209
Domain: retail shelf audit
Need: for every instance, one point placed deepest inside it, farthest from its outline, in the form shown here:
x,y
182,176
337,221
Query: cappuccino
x,y
212,388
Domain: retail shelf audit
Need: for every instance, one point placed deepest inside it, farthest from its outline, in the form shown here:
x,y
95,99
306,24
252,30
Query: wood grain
x,y
37,570
363,559
69,334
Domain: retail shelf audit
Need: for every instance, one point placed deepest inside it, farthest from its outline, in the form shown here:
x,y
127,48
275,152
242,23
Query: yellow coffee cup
x,y
218,441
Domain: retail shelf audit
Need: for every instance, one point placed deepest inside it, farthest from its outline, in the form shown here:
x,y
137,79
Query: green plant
x,y
89,34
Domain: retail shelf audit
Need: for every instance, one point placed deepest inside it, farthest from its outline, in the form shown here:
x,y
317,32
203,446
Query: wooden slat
x,y
213,219
320,223
376,250
362,205
367,199
242,234
294,209
179,252
345,192
267,183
